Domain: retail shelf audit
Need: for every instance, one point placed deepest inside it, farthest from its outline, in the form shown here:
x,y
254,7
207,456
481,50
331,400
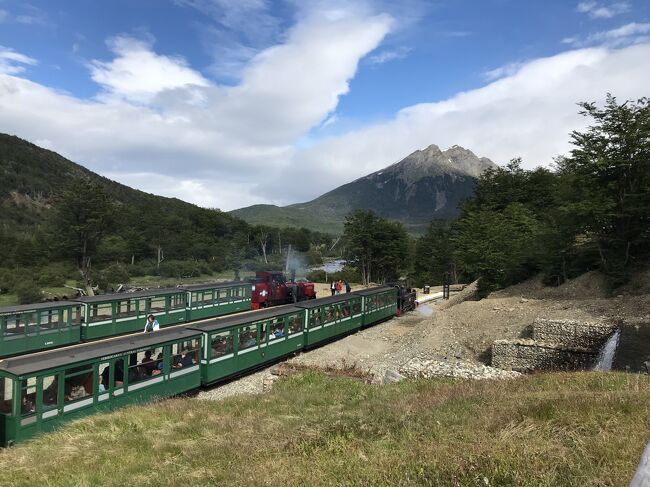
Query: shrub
x,y
28,292
55,274
316,276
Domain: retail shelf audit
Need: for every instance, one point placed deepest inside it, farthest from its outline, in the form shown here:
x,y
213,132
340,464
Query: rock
x,y
523,300
392,376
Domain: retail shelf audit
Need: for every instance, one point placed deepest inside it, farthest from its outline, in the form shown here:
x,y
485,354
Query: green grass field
x,y
578,429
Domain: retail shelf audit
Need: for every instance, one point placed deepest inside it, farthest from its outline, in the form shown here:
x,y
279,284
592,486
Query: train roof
x,y
36,306
373,290
214,285
315,303
147,293
36,362
242,318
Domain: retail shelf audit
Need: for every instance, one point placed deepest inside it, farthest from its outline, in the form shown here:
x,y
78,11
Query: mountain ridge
x,y
426,184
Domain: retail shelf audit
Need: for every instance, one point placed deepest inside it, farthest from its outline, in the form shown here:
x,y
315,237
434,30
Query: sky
x,y
229,103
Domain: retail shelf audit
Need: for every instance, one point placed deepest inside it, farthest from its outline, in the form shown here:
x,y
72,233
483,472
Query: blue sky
x,y
227,103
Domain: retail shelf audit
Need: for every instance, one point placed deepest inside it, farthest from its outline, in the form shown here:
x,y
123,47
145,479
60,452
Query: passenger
x,y
27,406
159,362
338,286
348,288
151,325
278,332
187,360
119,373
101,387
176,362
333,288
148,363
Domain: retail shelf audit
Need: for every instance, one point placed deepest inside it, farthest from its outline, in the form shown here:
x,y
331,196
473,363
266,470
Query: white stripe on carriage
x,y
118,392
184,371
77,405
219,359
27,421
277,340
294,335
145,383
103,397
241,352
49,414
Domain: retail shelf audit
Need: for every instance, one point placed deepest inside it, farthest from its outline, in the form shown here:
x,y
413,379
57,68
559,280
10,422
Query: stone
x,y
392,376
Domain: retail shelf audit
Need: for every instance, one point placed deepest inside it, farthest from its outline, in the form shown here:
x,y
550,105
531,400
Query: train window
x,y
78,383
104,376
330,314
247,337
101,312
178,301
144,365
49,319
76,316
345,310
31,320
118,373
157,305
13,326
127,308
6,395
222,344
28,396
370,303
50,391
295,324
186,353
356,307
314,318
236,293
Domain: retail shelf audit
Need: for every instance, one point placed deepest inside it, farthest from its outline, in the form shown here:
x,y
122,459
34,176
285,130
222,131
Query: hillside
x,y
31,175
428,184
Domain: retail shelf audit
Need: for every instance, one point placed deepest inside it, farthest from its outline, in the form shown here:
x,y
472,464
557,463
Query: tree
x,y
80,217
610,174
433,254
376,247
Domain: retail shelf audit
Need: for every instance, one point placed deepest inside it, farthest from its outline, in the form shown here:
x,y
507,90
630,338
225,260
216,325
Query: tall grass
x,y
581,429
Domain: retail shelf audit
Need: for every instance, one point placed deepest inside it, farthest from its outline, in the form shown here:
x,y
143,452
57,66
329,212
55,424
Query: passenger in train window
x,y
27,406
188,360
278,333
159,362
148,363
119,373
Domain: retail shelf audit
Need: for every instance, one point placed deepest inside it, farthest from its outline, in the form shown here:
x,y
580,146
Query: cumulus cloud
x,y
597,10
12,62
138,74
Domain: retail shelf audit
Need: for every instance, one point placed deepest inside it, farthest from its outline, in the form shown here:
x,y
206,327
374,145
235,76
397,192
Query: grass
x,y
157,281
568,429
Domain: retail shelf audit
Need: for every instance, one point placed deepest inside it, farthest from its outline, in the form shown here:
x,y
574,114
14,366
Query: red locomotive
x,y
272,288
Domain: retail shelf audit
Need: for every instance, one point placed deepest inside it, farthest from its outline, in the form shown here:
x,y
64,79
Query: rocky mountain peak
x,y
432,162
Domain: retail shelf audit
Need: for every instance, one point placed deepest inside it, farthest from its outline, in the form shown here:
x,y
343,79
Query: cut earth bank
x,y
454,338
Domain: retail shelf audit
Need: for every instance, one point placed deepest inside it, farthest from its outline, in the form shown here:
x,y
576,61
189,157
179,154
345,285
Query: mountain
x,y
428,184
30,176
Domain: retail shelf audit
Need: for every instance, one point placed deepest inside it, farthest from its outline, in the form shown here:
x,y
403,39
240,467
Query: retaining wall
x,y
555,344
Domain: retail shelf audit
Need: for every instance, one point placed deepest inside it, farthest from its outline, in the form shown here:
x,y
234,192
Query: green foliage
x,y
609,172
55,274
433,255
113,275
28,292
592,212
376,247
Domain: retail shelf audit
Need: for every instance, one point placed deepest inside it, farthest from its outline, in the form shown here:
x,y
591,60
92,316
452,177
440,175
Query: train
x,y
40,391
34,327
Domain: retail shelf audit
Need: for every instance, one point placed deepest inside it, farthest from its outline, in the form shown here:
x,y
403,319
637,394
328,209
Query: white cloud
x,y
12,62
138,74
597,10
3,15
503,71
628,34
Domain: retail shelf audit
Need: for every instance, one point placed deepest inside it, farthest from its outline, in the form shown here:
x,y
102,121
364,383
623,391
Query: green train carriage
x,y
379,303
217,299
236,343
39,326
40,391
331,316
118,314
